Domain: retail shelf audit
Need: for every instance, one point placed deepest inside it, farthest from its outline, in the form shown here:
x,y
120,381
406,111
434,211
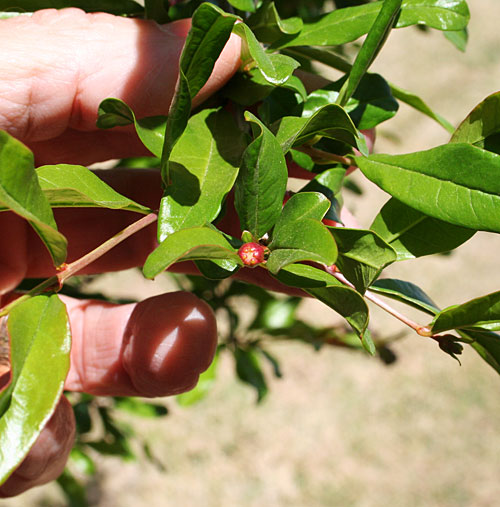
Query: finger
x,y
157,347
48,456
62,63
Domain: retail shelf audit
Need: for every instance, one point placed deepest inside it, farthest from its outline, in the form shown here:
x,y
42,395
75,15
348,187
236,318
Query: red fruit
x,y
252,254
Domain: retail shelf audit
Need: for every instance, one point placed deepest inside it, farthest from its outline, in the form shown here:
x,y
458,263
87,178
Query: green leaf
x,y
417,103
82,461
21,193
210,30
261,183
330,184
74,186
73,489
275,68
151,130
405,292
203,168
275,313
482,126
243,5
189,244
486,344
331,121
249,371
140,408
414,234
217,269
327,289
372,44
118,7
203,387
482,311
371,104
362,255
299,234
457,183
40,345
268,26
458,38
348,24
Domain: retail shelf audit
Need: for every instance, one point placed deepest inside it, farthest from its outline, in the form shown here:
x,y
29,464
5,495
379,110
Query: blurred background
x,y
341,428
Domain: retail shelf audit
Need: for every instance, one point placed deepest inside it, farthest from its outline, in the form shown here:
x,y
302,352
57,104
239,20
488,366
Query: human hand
x,y
57,67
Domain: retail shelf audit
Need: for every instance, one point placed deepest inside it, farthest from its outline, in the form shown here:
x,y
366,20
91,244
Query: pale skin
x,y
56,67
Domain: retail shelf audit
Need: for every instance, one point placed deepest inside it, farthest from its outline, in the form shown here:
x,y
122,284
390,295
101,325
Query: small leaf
x,y
331,121
40,345
249,371
157,10
405,292
261,183
268,26
20,192
303,205
73,186
457,183
414,234
362,255
243,5
189,244
275,68
371,104
203,168
458,38
203,387
482,126
482,311
151,130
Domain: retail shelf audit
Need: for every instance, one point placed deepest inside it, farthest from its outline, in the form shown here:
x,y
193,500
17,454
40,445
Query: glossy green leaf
x,y
405,292
362,255
210,30
119,7
303,205
261,183
203,168
217,269
327,289
482,311
371,104
40,346
243,5
268,26
348,24
276,68
74,186
189,244
482,126
20,191
486,344
203,387
151,130
249,371
458,38
371,46
457,183
414,234
331,121
417,103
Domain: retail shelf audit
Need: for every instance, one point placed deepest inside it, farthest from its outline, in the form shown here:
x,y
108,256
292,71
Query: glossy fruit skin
x,y
252,254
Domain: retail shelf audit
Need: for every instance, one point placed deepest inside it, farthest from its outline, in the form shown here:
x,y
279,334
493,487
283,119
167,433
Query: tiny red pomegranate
x,y
252,254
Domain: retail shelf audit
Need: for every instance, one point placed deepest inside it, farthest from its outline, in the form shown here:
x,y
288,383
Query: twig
x,y
317,154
